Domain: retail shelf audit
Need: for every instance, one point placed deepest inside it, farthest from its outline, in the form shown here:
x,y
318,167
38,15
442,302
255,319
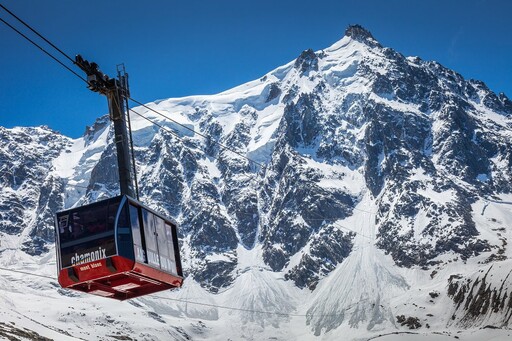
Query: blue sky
x,y
178,48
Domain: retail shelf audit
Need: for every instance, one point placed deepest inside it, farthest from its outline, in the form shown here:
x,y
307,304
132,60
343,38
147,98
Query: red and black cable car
x,y
117,248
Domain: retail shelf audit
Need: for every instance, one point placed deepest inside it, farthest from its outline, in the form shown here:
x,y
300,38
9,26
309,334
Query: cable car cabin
x,y
117,248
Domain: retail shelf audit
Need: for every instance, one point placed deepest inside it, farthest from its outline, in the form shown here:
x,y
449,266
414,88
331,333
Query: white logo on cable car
x,y
87,257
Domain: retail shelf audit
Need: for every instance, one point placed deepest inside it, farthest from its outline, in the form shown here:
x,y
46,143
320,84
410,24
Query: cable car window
x,y
86,234
149,221
167,243
83,222
163,248
112,214
124,234
138,247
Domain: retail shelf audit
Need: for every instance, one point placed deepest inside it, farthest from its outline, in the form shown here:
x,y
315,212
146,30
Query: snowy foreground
x,y
36,304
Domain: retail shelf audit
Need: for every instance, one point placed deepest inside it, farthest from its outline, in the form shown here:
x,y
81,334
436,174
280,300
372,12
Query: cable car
x,y
117,248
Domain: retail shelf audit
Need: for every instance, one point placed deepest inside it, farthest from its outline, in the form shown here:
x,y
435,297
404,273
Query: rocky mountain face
x,y
29,193
354,161
482,298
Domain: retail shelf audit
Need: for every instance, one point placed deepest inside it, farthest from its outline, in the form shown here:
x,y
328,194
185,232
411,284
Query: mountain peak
x,y
361,34
307,60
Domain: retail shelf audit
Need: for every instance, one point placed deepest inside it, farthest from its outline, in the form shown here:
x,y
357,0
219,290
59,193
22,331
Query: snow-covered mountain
x,y
377,201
